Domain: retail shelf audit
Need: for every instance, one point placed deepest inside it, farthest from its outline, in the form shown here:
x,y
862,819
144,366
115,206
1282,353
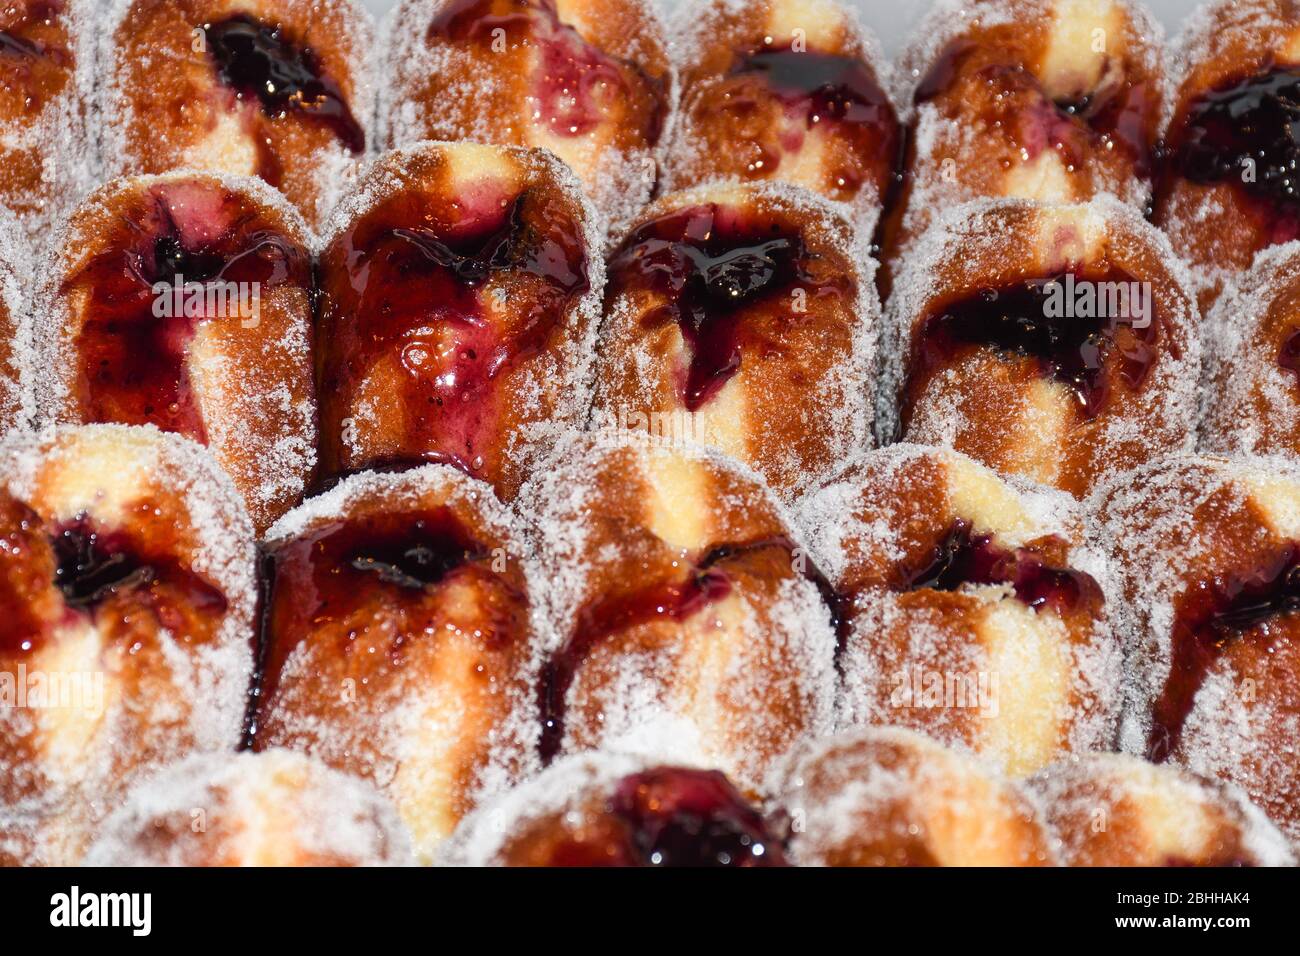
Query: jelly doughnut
x,y
276,808
1117,810
743,317
886,796
1227,187
1037,99
398,642
127,599
976,610
276,89
609,809
791,90
1251,383
460,295
1205,551
590,80
685,622
184,301
45,158
1059,342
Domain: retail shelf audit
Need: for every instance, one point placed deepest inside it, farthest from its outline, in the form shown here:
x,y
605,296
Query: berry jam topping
x,y
387,569
680,817
437,315
1080,329
92,568
578,83
1244,132
1214,615
705,584
1122,113
176,257
257,59
961,557
711,264
823,89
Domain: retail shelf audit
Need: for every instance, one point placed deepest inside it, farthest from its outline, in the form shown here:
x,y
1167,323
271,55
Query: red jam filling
x,y
711,264
1211,617
134,341
961,557
1244,133
403,290
576,80
257,60
1028,319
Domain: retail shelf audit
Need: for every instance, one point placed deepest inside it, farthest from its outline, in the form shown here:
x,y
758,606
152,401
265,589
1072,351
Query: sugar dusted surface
x,y
112,111
966,235
557,793
246,798
558,501
273,463
841,404
210,679
620,182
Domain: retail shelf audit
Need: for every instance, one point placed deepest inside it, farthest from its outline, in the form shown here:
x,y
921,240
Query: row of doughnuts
x,y
639,597
1041,99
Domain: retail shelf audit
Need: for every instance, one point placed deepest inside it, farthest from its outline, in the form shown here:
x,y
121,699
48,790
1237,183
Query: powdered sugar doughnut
x,y
399,642
1251,386
791,90
276,808
1215,665
743,317
128,597
184,301
277,89
976,611
891,797
1038,99
685,621
1227,188
587,79
460,294
1056,342
46,67
609,809
1116,810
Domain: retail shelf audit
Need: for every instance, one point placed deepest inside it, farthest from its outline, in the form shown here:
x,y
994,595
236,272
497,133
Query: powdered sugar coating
x,y
599,507
557,386
15,267
207,681
968,246
1249,402
563,791
834,410
260,423
388,730
326,175
59,136
887,796
1118,810
620,181
1217,515
693,26
934,188
272,808
863,528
